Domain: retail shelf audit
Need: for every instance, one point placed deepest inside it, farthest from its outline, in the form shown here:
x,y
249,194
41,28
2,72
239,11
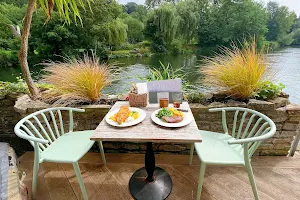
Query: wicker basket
x,y
138,100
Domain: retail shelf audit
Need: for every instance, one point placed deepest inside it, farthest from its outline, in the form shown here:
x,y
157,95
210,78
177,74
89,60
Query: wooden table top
x,y
148,131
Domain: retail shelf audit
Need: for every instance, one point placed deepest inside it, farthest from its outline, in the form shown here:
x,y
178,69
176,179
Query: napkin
x,y
141,88
171,85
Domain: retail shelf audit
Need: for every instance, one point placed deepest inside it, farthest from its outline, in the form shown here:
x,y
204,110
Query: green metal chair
x,y
237,148
45,131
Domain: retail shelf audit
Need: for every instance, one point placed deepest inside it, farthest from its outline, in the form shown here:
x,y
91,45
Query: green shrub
x,y
176,47
194,97
269,90
144,50
144,43
271,45
16,87
286,39
159,48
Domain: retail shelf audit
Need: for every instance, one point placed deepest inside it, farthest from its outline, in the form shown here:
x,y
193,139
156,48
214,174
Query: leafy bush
x,y
176,46
286,39
158,48
144,50
76,80
144,43
9,87
271,45
269,90
237,71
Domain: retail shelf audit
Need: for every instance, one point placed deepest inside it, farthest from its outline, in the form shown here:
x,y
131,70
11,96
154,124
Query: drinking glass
x,y
177,98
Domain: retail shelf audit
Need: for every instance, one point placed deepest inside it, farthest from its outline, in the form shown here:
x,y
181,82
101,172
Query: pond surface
x,y
285,63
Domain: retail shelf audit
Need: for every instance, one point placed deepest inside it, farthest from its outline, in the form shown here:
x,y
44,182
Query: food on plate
x,y
170,115
124,115
174,119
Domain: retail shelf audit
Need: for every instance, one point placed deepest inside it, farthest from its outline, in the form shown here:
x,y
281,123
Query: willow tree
x,y
166,20
112,33
64,7
189,18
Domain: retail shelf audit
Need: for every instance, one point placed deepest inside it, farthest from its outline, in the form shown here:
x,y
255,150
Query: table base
x,y
159,189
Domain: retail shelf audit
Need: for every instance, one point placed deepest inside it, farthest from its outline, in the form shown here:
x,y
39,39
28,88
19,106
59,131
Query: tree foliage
x,y
225,21
169,25
189,18
134,29
280,21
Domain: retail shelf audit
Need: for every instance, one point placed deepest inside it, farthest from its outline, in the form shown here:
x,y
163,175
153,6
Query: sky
x,y
292,4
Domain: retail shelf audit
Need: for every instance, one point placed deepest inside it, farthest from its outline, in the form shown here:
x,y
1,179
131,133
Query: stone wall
x,y
8,119
285,115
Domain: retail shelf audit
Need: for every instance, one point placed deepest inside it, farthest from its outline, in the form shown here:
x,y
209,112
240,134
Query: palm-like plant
x,y
64,7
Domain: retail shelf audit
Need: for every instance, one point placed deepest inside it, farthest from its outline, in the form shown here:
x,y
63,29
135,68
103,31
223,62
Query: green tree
x,y
130,7
162,26
140,13
112,33
10,22
18,3
52,40
64,7
280,21
189,19
225,21
296,36
134,29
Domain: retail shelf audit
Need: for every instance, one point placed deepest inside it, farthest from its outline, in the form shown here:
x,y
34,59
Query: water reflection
x,y
286,65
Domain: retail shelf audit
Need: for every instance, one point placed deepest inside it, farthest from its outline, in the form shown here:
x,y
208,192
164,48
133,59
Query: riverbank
x,y
285,64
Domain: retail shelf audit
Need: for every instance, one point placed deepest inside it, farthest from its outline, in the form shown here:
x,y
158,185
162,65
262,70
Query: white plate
x,y
187,119
142,116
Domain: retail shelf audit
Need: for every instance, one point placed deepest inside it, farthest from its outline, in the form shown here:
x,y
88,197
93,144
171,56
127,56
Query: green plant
x,y
77,80
269,90
194,96
176,46
165,72
13,87
238,71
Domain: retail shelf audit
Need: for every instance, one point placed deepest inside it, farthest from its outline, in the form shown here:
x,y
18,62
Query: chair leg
x,y
35,178
80,180
102,152
192,153
252,181
201,177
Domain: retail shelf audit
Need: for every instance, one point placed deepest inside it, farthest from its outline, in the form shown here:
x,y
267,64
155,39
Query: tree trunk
x,y
24,50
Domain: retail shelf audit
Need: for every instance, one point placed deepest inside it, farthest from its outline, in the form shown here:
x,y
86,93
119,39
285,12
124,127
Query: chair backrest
x,y
43,127
249,127
170,86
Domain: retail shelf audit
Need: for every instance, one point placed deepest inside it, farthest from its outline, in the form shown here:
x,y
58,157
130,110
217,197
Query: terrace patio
x,y
276,178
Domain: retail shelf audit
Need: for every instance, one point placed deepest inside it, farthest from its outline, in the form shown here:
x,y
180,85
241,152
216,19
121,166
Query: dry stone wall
x,y
285,115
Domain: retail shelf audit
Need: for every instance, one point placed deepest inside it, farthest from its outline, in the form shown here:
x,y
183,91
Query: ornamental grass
x,y
237,71
76,81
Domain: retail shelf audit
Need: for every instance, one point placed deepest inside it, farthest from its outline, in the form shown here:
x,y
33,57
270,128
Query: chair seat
x,y
69,147
214,149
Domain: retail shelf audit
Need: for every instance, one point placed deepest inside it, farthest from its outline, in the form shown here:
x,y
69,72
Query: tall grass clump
x,y
238,71
76,81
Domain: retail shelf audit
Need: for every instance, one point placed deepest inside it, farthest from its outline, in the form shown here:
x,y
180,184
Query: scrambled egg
x,y
175,112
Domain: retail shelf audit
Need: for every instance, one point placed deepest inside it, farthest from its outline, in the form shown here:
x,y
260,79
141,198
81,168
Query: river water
x,y
285,63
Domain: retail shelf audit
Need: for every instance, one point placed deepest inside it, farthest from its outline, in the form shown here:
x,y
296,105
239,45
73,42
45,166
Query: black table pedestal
x,y
150,182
